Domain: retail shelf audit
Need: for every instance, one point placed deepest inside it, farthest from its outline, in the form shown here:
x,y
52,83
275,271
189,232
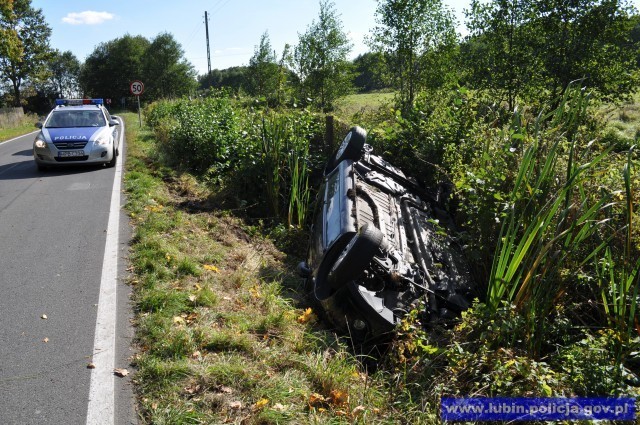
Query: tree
x,y
65,73
286,77
24,44
535,49
109,69
498,53
586,39
164,69
263,72
320,59
371,71
418,38
233,78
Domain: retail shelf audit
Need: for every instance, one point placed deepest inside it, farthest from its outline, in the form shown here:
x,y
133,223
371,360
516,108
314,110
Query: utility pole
x,y
206,26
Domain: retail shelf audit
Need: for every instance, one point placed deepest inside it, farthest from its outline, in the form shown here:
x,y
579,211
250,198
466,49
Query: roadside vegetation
x,y
544,203
223,331
537,163
17,127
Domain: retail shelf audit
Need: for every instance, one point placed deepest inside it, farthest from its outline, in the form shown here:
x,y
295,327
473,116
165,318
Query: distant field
x,y
624,120
360,103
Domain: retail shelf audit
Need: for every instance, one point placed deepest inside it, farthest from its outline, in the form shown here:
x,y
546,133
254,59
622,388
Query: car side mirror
x,y
39,124
113,122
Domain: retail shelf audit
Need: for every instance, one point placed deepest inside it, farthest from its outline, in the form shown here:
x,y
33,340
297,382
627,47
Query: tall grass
x,y
619,278
550,223
273,138
285,159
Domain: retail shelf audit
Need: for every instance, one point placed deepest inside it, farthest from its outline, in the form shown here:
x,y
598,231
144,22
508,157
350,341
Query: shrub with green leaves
x,y
203,135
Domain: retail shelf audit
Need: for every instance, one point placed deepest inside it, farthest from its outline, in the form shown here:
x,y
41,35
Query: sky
x,y
235,26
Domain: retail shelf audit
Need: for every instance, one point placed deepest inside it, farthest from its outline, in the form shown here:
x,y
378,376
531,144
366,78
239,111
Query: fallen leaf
x,y
45,340
196,355
357,411
341,413
121,372
192,298
255,291
44,316
211,268
225,390
338,397
91,366
261,403
278,407
194,388
178,319
235,405
307,316
316,400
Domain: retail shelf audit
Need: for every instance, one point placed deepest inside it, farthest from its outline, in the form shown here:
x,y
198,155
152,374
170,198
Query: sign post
x,y
137,88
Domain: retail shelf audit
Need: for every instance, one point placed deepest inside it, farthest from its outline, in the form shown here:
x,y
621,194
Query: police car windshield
x,y
67,118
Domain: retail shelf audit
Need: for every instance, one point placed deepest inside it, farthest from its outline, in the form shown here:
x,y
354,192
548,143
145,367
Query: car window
x,y
332,208
92,119
60,119
78,118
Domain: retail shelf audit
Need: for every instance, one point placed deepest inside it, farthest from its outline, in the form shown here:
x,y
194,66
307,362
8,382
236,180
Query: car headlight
x,y
101,141
40,143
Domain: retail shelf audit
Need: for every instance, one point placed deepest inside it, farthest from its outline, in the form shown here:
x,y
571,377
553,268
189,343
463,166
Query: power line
x,y
193,35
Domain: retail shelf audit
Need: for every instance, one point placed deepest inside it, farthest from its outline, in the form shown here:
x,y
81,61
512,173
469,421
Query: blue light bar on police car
x,y
75,102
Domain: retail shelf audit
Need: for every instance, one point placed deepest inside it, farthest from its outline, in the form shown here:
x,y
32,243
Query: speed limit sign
x,y
136,88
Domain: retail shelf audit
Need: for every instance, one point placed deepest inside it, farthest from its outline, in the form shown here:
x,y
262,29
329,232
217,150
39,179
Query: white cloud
x,y
88,17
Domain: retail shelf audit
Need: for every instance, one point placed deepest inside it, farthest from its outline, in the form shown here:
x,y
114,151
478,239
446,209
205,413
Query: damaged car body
x,y
379,244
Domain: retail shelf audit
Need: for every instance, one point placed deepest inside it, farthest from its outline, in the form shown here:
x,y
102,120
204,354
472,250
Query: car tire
x,y
112,163
356,256
350,148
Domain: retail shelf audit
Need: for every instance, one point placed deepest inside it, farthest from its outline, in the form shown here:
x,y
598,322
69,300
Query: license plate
x,y
70,154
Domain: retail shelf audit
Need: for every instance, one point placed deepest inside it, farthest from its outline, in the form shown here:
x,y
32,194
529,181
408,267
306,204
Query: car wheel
x,y
112,163
350,148
356,256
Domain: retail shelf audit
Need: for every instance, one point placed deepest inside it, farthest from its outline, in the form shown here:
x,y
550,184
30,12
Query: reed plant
x,y
286,158
273,138
619,276
550,222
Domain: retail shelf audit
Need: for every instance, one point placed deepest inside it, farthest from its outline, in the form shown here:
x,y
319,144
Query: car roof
x,y
78,108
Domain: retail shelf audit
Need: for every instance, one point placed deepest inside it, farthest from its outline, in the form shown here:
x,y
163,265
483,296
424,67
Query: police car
x,y
77,131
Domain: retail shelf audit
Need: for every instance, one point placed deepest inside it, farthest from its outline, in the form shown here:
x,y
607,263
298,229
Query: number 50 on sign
x,y
137,88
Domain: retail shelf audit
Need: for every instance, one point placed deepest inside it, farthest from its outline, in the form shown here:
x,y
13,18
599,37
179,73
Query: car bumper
x,y
53,157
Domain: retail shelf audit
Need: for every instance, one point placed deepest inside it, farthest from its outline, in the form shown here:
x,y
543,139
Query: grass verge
x,y
24,128
222,335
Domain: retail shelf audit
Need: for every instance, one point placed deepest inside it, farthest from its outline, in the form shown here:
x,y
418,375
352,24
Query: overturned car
x,y
379,244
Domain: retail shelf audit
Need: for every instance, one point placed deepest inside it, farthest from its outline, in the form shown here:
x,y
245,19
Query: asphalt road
x,y
53,227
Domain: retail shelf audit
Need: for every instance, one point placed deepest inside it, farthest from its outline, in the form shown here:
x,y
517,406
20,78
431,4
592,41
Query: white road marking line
x,y
101,410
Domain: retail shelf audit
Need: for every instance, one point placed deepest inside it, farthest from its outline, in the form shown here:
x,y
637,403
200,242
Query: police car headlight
x,y
40,143
101,141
